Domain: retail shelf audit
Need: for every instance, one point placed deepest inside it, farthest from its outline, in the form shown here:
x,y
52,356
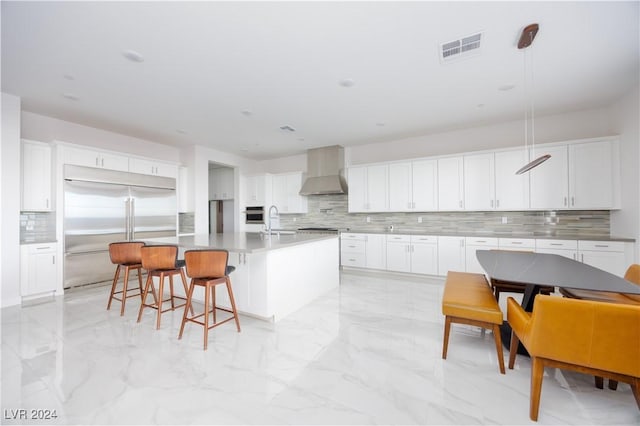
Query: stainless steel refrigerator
x,y
104,206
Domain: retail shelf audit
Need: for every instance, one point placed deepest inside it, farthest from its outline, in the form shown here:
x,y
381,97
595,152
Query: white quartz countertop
x,y
243,242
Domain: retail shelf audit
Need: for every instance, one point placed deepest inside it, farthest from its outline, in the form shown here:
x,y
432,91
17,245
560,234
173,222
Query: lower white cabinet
x,y
376,251
399,253
353,250
451,254
247,282
38,269
424,254
610,256
566,248
477,243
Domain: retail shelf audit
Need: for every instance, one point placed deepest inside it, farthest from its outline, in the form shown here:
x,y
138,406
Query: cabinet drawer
x,y
601,245
353,246
352,236
41,248
516,243
399,238
424,239
475,241
557,244
353,259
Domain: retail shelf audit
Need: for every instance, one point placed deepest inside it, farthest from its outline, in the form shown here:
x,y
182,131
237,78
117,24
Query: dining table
x,y
537,270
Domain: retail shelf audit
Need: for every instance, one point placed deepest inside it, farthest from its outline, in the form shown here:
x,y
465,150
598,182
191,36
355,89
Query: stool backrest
x,y
206,263
159,257
633,274
126,252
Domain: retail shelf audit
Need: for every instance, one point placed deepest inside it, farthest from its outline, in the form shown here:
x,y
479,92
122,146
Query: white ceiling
x,y
207,62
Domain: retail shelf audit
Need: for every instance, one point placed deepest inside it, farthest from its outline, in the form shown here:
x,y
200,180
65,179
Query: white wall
x,y
553,128
10,202
47,129
625,120
293,163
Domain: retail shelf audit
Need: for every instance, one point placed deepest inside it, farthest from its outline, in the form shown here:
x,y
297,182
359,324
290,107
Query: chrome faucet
x,y
277,213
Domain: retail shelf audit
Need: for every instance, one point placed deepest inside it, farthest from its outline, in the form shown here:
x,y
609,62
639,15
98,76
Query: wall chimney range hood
x,y
324,171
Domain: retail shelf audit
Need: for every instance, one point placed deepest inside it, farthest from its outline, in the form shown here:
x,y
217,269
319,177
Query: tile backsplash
x,y
37,226
331,211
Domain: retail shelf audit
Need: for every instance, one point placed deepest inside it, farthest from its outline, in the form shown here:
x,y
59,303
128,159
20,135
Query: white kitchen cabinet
x,y
591,175
479,182
399,253
258,191
36,176
477,243
221,186
38,269
517,244
368,188
512,191
610,256
424,254
451,254
451,184
248,284
90,158
376,251
286,193
413,186
150,167
549,182
566,248
353,250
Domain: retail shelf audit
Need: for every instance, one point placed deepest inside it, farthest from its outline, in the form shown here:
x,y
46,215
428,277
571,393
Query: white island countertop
x,y
242,242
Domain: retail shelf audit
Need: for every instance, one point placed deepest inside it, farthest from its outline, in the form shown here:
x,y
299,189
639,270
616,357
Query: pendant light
x,y
528,34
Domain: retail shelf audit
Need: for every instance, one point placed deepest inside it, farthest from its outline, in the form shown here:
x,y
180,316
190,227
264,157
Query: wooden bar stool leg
x,y
144,296
213,297
184,315
139,270
173,305
206,315
124,289
113,286
184,284
160,301
233,303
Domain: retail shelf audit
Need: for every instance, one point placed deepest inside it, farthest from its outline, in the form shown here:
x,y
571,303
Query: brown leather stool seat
x,y
161,261
125,255
208,269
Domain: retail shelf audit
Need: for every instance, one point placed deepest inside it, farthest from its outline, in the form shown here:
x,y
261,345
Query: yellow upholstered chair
x,y
602,339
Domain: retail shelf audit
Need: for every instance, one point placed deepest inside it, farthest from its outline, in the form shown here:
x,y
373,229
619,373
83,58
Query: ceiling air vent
x,y
461,48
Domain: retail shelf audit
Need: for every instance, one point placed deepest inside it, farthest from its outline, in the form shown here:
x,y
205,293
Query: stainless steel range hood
x,y
324,171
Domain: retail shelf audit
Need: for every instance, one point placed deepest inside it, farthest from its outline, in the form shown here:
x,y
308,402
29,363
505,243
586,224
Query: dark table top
x,y
550,269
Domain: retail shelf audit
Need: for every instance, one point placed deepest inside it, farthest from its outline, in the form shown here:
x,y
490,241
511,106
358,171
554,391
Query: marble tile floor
x,y
366,353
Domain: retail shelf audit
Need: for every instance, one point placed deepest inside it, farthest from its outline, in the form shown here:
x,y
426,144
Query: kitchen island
x,y
275,275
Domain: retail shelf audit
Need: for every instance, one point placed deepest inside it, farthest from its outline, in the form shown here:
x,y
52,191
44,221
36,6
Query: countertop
x,y
42,241
533,235
243,242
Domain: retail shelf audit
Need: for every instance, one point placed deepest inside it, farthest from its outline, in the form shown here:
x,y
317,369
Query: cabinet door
x,y
256,190
81,157
424,258
225,180
400,187
45,267
479,182
357,197
114,162
296,202
425,185
610,261
376,251
279,193
146,167
451,254
471,259
570,254
512,191
549,181
377,188
450,184
398,256
591,175
36,177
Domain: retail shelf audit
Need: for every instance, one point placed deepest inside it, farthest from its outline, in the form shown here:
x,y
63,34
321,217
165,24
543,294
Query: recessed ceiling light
x,y
380,124
69,77
301,139
133,56
347,82
247,113
181,131
480,105
506,87
70,96
244,149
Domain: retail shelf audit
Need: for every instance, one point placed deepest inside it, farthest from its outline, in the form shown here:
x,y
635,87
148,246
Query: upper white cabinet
x,y
257,190
221,184
451,183
148,167
479,182
286,193
102,160
512,191
549,182
36,176
591,175
413,186
368,188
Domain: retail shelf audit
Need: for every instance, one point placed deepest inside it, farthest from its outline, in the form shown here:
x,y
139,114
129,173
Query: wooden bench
x,y
468,299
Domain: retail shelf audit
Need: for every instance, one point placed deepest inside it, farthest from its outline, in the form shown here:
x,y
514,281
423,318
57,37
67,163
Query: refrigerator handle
x,y
132,215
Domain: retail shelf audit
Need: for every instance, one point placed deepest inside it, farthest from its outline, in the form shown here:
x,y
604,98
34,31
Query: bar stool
x,y
161,261
208,269
126,255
